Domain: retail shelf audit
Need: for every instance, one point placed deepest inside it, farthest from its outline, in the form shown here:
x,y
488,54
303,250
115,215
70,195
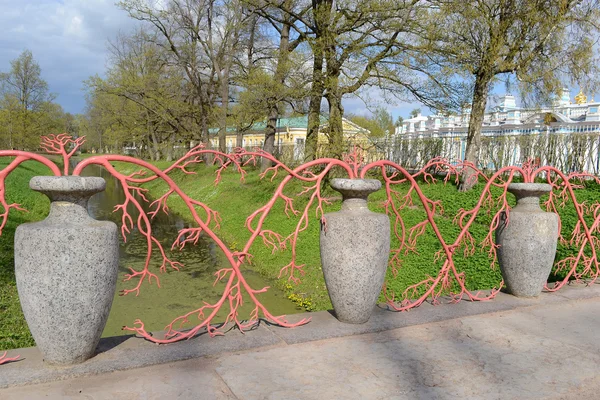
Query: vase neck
x,y
528,194
69,211
355,192
529,203
77,198
354,203
69,195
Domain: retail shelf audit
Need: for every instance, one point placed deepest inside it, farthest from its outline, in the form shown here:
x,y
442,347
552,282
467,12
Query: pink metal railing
x,y
313,174
4,359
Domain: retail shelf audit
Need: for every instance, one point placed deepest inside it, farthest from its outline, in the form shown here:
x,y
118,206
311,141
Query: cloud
x,y
67,38
374,98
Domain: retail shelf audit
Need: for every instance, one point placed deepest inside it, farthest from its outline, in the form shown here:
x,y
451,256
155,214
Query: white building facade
x,y
566,135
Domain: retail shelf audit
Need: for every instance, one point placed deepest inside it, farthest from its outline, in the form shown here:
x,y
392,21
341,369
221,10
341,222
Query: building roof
x,y
418,118
299,122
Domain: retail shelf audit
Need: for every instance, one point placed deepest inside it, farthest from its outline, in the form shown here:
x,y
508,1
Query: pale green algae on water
x,y
180,291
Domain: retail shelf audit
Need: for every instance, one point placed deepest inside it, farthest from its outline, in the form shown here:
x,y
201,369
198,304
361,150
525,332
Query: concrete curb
x,y
127,352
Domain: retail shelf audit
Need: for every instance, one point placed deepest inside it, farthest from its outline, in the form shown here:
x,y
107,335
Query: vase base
x,y
66,363
353,321
354,318
523,295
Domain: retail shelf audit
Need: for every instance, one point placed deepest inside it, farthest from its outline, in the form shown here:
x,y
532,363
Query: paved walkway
x,y
527,349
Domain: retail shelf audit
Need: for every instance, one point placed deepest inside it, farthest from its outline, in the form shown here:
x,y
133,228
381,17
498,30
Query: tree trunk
x,y
480,93
251,39
336,128
170,149
322,14
239,138
282,60
224,109
314,108
270,130
204,135
155,147
202,97
334,99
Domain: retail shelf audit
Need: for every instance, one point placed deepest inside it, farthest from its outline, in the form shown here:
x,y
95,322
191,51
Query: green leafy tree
x,y
355,40
399,121
25,102
360,45
540,42
379,124
152,95
204,39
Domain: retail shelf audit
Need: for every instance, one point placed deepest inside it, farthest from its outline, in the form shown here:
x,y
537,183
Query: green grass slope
x,y
236,200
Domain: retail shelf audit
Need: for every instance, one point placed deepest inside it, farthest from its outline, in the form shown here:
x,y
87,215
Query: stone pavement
x,y
509,348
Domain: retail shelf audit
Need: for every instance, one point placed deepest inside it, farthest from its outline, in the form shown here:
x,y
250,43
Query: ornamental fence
x,y
567,151
425,209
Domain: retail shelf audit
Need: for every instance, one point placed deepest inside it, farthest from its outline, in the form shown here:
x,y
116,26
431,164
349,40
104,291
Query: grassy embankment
x,y
236,200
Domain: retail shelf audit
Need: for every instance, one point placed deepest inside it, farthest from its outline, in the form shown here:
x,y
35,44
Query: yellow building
x,y
290,135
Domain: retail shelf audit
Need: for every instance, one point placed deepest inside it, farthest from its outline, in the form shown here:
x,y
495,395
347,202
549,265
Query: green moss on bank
x,y
236,200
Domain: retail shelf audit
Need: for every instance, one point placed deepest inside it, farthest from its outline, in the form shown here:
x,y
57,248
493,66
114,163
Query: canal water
x,y
179,292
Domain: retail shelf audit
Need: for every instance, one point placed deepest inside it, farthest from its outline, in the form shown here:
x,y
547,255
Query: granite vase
x,y
66,268
527,239
355,247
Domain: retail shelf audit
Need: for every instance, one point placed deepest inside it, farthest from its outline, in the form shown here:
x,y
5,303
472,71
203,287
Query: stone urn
x,y
66,268
527,237
355,247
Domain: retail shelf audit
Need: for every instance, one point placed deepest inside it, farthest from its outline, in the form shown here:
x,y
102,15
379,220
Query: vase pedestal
x,y
355,247
66,268
527,241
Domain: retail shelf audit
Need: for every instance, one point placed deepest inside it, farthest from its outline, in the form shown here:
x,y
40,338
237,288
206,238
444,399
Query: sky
x,y
68,39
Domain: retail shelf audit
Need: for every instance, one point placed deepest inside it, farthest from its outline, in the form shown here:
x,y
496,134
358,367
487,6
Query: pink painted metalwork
x,y
5,360
313,174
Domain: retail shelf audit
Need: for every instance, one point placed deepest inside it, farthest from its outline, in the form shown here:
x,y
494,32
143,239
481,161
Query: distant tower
x,y
563,100
508,102
580,98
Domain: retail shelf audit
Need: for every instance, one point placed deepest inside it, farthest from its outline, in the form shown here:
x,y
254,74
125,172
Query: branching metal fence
x,y
404,179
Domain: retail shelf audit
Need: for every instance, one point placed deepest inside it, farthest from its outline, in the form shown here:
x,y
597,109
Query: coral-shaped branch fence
x,y
404,190
4,359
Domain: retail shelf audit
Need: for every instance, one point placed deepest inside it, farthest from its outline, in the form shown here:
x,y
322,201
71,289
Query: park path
x,y
509,348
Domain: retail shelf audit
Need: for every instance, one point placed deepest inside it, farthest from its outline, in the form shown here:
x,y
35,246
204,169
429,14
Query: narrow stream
x,y
180,292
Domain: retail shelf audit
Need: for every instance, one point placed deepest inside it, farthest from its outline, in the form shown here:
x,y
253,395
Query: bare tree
x,y
26,97
356,45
